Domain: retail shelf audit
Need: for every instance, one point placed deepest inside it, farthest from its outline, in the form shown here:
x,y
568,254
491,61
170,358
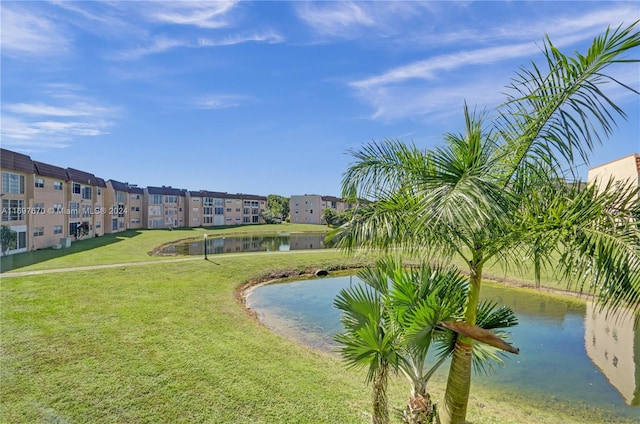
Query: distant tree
x,y
329,216
8,239
278,205
271,217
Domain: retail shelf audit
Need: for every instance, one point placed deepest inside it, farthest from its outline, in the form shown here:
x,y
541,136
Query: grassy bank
x,y
131,246
169,342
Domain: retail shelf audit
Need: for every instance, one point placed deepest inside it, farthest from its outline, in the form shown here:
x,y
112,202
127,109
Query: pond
x,y
569,353
246,243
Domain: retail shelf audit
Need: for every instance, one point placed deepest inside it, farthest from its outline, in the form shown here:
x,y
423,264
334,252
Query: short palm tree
x,y
498,193
392,320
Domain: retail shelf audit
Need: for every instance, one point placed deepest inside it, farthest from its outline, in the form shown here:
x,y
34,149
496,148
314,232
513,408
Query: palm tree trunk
x,y
380,401
420,409
454,410
456,396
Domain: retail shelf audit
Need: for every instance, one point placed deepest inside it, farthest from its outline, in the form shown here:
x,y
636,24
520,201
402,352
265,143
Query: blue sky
x,y
267,97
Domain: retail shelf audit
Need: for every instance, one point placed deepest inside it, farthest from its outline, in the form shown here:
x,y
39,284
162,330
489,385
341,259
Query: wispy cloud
x,y
25,33
202,14
158,44
428,69
337,19
58,123
269,37
432,86
161,44
219,101
355,19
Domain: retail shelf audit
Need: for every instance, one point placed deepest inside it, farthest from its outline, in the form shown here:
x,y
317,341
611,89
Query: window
x,y
74,210
76,188
86,211
57,185
39,182
99,192
57,229
135,197
237,209
219,211
246,220
135,220
86,193
229,219
171,199
38,231
208,201
119,197
255,219
12,210
195,210
98,224
207,220
57,207
228,209
196,219
207,210
38,208
12,183
114,224
156,199
135,209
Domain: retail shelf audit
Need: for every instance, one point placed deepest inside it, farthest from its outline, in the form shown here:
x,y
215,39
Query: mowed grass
x,y
169,342
132,246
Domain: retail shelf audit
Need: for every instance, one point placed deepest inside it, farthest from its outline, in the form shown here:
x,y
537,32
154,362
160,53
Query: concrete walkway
x,y
159,261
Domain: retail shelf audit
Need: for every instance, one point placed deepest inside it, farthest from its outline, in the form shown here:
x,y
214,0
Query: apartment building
x,y
164,207
48,222
123,203
213,208
624,169
44,203
17,194
85,203
308,208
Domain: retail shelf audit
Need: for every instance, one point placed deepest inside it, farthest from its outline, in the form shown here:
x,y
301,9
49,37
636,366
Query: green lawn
x,y
131,246
169,342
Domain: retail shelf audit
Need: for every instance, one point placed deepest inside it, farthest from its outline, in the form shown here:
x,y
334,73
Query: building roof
x,y
16,161
126,187
250,196
83,177
47,170
218,194
167,190
331,199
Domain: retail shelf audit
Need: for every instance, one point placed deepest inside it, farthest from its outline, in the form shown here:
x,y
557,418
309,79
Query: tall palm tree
x,y
497,192
391,322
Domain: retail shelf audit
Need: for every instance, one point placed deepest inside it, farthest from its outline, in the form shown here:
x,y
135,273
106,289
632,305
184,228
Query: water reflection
x,y
613,344
248,243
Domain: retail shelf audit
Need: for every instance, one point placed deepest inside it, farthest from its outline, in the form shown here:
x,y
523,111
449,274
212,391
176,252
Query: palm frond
x,y
559,114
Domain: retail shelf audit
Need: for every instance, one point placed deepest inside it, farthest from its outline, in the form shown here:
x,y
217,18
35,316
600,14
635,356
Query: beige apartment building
x,y
212,208
47,205
85,204
123,203
308,208
164,207
48,223
623,169
17,194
